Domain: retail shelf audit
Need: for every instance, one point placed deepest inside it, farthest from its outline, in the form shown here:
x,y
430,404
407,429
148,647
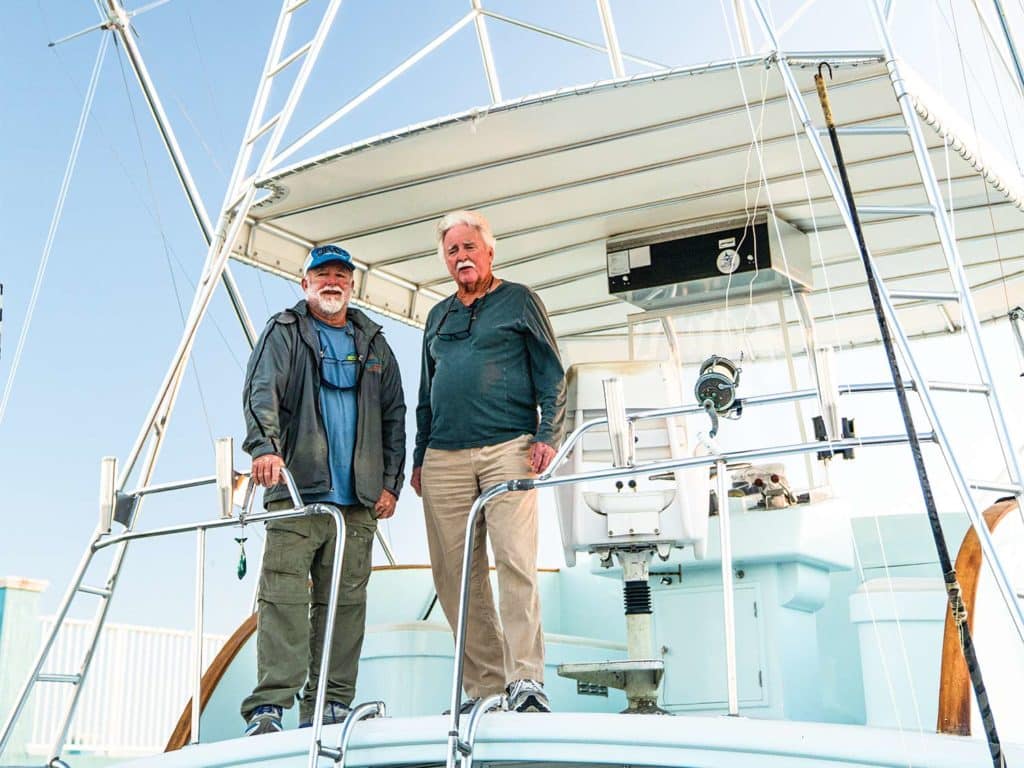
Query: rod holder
x,y
826,378
224,449
620,429
108,492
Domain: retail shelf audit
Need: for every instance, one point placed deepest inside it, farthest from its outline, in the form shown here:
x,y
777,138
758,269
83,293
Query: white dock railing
x,y
137,687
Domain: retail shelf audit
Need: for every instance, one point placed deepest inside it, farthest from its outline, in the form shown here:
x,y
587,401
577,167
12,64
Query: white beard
x,y
331,303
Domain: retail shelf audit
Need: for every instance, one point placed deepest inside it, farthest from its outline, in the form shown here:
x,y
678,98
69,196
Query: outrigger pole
x,y
956,604
119,22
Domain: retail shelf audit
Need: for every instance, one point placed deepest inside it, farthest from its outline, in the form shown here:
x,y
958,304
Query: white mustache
x,y
331,290
464,263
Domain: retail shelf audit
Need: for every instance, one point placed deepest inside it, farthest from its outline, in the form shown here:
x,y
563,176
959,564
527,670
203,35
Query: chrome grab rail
x,y
247,516
458,747
498,701
361,712
748,402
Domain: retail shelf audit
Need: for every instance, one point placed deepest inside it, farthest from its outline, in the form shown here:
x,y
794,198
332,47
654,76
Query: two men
x,y
489,363
322,397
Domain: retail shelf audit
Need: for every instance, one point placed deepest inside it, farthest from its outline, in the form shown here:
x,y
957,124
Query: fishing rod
x,y
956,604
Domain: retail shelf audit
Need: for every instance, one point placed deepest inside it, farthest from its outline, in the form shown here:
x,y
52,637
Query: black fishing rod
x,y
956,603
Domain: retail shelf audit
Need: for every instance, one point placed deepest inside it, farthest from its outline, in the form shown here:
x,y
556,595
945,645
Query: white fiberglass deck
x,y
599,739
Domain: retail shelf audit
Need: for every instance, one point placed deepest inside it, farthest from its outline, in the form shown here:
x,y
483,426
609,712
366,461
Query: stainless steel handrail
x,y
246,517
455,745
482,707
361,712
747,402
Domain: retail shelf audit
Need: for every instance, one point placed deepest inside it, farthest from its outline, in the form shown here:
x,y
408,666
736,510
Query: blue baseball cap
x,y
325,254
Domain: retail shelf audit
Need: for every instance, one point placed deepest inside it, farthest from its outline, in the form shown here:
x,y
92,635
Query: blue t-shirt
x,y
339,371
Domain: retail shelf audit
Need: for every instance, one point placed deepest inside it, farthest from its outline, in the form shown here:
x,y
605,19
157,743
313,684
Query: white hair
x,y
471,219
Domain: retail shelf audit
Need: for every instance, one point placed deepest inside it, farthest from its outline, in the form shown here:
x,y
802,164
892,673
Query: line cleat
x,y
264,719
334,712
527,696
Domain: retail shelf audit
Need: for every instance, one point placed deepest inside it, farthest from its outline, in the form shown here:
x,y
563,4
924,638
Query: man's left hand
x,y
385,506
541,455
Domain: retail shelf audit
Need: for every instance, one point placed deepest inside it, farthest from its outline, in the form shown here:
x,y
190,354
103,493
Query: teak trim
x,y
183,730
955,690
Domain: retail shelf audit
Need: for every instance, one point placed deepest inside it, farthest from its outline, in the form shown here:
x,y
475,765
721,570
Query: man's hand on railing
x,y
266,470
541,455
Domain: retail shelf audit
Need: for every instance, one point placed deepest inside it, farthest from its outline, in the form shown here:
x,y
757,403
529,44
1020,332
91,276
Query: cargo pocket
x,y
357,561
284,577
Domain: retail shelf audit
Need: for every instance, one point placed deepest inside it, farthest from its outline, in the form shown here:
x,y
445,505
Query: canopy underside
x,y
561,174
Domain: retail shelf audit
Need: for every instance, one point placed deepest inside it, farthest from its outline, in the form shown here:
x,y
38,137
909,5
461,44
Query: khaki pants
x,y
451,481
287,651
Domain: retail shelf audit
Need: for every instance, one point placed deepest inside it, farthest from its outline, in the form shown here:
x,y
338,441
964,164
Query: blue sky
x,y
128,251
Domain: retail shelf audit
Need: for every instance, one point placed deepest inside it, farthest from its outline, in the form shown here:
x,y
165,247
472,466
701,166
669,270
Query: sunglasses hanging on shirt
x,y
338,373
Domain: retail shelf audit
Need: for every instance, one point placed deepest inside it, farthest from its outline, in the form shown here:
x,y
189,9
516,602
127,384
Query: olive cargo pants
x,y
287,651
495,654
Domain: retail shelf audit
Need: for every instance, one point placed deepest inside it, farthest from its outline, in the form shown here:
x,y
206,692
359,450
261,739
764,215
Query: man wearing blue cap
x,y
322,397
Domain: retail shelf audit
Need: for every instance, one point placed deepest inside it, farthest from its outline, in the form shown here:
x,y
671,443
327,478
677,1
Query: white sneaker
x,y
527,696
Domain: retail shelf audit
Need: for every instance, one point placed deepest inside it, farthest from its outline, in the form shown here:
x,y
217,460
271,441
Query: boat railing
x,y
245,517
459,748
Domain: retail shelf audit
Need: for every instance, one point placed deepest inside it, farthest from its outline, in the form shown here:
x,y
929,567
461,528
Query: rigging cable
x,y
220,122
1007,460
1013,148
58,211
757,144
163,235
771,206
1005,473
833,325
956,606
140,196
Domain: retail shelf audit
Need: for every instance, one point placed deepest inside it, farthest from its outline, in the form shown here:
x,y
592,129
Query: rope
x,y
58,212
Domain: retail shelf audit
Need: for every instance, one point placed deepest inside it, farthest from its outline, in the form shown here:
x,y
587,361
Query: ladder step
x,y
985,485
100,591
896,210
925,295
53,677
288,60
295,6
959,386
868,130
263,129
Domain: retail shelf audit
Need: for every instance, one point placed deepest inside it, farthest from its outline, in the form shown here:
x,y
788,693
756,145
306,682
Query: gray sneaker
x,y
334,712
527,696
264,719
465,707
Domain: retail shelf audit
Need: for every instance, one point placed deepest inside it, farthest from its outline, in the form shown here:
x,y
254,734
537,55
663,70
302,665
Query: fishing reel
x,y
716,389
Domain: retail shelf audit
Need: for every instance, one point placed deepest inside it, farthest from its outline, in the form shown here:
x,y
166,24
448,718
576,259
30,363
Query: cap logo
x,y
325,254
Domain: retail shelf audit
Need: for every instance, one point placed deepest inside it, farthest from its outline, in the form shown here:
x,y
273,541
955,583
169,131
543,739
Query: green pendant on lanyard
x,y
242,565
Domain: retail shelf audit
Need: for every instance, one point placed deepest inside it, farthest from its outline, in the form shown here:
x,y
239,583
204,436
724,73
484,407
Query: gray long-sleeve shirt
x,y
485,388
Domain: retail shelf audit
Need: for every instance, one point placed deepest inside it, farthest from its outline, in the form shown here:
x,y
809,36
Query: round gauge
x,y
728,260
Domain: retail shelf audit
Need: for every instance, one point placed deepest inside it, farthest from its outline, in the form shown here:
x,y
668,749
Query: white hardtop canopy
x,y
562,173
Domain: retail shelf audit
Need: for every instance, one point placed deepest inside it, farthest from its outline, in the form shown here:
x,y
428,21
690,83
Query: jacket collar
x,y
361,324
